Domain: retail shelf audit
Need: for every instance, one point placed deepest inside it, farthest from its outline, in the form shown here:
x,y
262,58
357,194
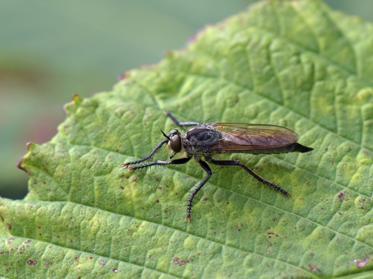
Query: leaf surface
x,y
290,63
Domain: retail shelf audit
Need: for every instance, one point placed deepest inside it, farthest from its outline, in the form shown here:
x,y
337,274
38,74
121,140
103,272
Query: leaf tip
x,y
74,104
20,165
30,146
124,76
77,99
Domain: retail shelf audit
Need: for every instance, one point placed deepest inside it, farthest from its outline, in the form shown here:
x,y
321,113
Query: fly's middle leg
x,y
207,169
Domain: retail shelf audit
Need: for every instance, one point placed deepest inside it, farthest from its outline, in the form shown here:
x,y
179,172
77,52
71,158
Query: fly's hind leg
x,y
235,163
181,124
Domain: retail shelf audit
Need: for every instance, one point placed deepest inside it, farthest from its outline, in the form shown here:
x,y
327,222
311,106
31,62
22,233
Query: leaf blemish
x,y
361,263
314,268
180,262
341,196
239,227
32,262
271,234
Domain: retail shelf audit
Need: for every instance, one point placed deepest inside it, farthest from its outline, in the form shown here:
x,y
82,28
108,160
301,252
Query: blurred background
x,y
52,50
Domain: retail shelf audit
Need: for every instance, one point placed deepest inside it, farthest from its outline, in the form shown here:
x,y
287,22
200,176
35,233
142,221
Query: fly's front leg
x,y
155,150
262,180
181,124
158,163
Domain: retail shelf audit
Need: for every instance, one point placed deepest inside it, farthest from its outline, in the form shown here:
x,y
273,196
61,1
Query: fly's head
x,y
174,142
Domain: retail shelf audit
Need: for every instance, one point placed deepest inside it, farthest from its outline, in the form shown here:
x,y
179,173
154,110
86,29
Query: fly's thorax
x,y
187,147
191,149
203,136
201,139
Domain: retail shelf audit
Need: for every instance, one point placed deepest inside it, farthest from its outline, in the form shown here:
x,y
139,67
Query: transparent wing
x,y
255,138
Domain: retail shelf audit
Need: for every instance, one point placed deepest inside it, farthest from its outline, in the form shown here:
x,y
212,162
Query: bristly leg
x,y
262,180
207,169
181,124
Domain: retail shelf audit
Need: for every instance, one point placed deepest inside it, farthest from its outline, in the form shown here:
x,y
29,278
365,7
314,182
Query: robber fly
x,y
203,141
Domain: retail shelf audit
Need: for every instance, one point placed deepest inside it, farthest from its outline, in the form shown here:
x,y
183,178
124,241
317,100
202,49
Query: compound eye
x,y
175,143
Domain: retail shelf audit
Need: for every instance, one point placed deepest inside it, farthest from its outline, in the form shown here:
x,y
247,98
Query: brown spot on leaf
x,y
239,227
341,196
271,234
362,203
180,262
314,268
32,262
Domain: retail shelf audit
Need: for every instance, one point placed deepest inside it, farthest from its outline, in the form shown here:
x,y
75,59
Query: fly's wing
x,y
253,138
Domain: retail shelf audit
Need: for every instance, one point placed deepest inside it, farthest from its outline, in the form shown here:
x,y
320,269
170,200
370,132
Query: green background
x,y
50,51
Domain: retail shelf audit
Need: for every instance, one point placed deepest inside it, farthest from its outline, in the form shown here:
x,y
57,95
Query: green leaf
x,y
292,63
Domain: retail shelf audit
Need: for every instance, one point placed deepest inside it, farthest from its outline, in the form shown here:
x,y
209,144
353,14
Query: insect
x,y
203,141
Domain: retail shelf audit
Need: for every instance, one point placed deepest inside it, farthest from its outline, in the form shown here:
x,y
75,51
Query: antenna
x,y
167,137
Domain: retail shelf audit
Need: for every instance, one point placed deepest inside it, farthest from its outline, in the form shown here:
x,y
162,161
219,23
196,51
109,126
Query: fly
x,y
203,141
